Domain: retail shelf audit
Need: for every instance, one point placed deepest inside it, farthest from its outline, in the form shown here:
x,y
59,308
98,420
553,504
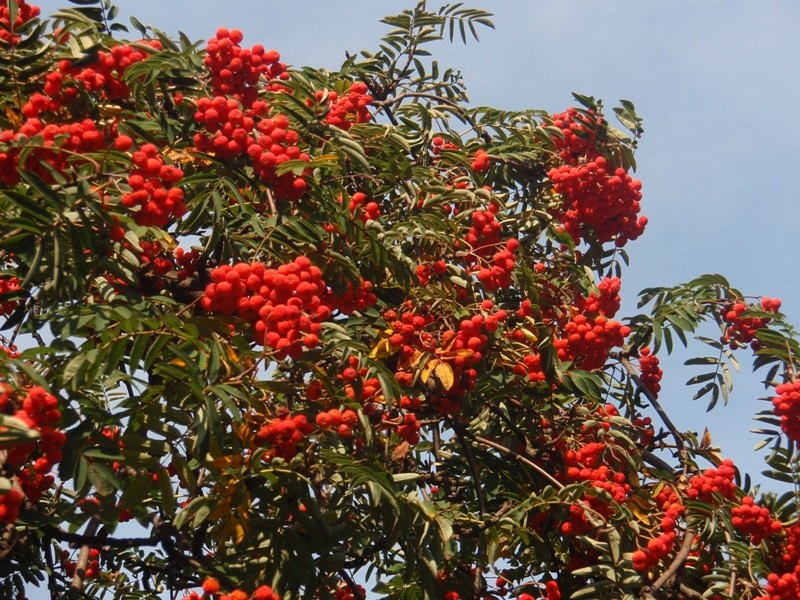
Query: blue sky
x,y
716,82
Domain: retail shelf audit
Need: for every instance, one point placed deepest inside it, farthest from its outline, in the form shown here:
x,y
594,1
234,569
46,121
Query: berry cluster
x,y
212,589
364,209
741,330
284,434
285,305
352,298
8,285
346,110
25,13
53,145
275,145
228,127
39,411
344,592
92,568
786,405
587,464
480,161
439,144
237,71
651,372
713,482
426,271
606,303
588,340
657,548
606,202
782,587
340,421
484,234
104,76
551,592
593,193
153,193
580,134
754,520
497,274
32,461
660,546
11,499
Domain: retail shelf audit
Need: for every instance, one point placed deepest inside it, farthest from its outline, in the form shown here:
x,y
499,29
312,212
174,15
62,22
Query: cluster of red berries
x,y
551,592
346,110
92,568
38,410
11,498
154,258
408,331
8,285
275,145
606,302
588,340
212,588
439,144
713,481
650,371
426,271
576,521
344,592
25,13
581,133
786,405
480,161
782,587
285,305
284,435
340,421
593,193
754,520
363,208
153,194
497,274
606,202
237,71
586,464
58,144
232,131
657,548
741,330
228,126
484,234
660,546
104,76
187,263
783,584
353,298
531,366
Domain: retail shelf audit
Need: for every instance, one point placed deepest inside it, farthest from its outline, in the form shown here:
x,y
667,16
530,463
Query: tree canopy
x,y
276,332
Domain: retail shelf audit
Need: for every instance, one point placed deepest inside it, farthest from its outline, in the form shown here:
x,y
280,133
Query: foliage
x,y
270,331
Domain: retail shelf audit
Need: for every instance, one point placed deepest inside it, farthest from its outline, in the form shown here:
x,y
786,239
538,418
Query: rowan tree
x,y
272,332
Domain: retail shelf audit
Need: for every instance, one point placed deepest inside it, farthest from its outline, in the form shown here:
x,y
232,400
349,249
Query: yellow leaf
x,y
438,375
416,357
425,374
382,349
450,355
444,373
401,450
705,441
